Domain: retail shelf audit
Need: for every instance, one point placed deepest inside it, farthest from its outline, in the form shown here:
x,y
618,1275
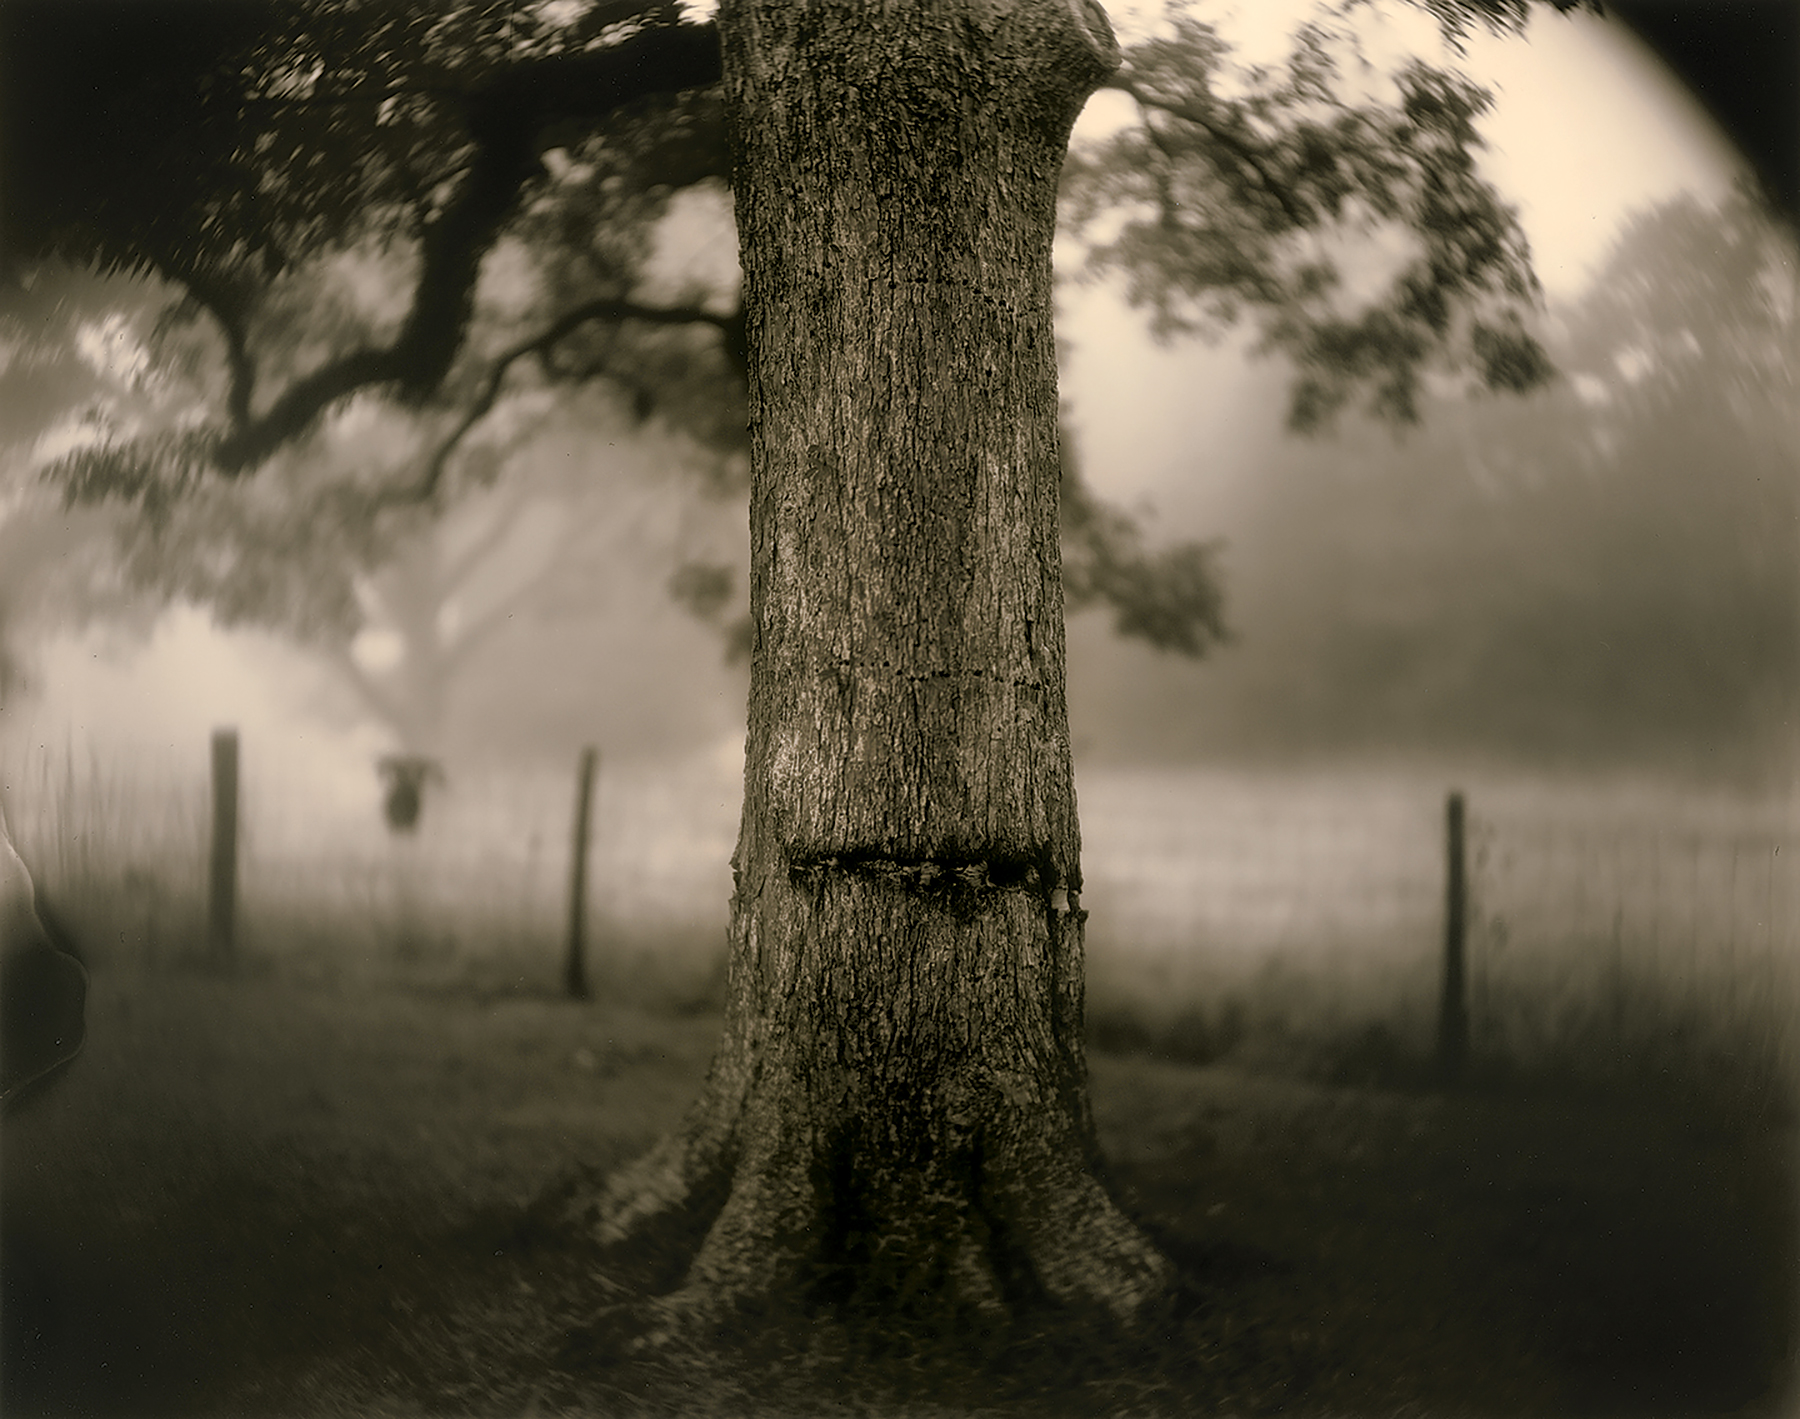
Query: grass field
x,y
260,1196
296,1187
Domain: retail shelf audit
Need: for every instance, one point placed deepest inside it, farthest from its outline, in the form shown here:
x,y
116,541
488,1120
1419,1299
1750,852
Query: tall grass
x,y
118,849
1639,941
1261,905
1616,933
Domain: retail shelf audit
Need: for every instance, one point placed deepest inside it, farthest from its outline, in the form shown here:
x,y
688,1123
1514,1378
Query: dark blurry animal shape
x,y
43,987
406,776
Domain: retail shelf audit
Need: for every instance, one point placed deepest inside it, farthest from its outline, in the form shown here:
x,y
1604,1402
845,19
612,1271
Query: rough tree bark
x,y
897,1114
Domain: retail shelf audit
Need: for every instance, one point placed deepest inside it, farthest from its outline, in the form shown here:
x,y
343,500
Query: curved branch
x,y
426,487
1247,156
225,305
505,117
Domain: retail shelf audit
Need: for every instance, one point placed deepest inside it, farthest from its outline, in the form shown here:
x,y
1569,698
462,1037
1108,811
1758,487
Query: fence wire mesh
x,y
1630,925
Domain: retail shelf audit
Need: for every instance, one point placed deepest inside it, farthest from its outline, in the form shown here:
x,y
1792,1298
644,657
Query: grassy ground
x,y
274,1195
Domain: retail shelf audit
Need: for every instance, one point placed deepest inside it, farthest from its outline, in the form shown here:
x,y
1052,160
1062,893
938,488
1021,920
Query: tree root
x,y
813,1215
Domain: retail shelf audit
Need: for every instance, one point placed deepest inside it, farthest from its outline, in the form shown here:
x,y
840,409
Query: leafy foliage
x,y
451,210
1251,189
223,145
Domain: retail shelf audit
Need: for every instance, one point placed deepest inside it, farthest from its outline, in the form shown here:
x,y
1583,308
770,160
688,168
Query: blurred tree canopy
x,y
1604,575
441,209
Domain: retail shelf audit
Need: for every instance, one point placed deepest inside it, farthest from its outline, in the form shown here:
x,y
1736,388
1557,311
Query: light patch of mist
x,y
110,347
599,652
378,648
726,756
1367,261
120,701
509,281
534,540
1590,391
367,435
373,280
513,416
1181,427
639,677
1633,364
696,249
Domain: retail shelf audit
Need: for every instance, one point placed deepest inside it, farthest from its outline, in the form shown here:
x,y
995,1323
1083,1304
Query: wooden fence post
x,y
221,909
575,969
1453,1012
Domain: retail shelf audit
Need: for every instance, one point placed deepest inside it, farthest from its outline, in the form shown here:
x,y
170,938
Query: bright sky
x,y
1588,126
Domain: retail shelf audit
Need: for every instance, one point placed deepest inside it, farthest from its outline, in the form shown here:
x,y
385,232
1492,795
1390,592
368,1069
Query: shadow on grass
x,y
257,1196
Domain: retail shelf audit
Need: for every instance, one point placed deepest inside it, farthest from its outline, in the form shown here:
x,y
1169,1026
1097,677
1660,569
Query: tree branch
x,y
425,488
505,117
227,310
1247,156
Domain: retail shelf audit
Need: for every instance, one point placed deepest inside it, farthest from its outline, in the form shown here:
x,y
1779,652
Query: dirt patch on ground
x,y
255,1196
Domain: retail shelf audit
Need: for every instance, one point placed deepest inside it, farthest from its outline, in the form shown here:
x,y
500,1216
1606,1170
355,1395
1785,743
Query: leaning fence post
x,y
575,970
221,910
1453,1012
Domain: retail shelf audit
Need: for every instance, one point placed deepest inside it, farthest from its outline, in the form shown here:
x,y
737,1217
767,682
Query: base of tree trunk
x,y
936,1165
839,1223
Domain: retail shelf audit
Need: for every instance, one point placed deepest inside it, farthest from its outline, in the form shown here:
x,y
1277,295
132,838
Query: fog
x,y
332,1051
1393,598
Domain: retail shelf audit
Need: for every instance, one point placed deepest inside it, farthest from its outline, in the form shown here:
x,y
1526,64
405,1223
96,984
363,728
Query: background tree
x,y
896,1118
1600,576
1666,460
397,599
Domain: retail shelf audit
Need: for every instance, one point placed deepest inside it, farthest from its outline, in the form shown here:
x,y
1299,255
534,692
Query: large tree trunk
x,y
898,1112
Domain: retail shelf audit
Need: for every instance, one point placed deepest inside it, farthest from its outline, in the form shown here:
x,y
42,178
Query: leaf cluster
x,y
278,161
1357,225
276,550
230,146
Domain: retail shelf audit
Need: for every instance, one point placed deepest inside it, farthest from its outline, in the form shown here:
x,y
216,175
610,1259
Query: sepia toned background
x,y
1580,610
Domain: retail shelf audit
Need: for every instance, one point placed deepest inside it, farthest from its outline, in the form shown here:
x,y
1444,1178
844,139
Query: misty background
x,y
1599,579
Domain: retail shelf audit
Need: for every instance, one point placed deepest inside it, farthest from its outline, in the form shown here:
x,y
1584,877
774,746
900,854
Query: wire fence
x,y
1643,938
1621,922
480,885
1624,924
